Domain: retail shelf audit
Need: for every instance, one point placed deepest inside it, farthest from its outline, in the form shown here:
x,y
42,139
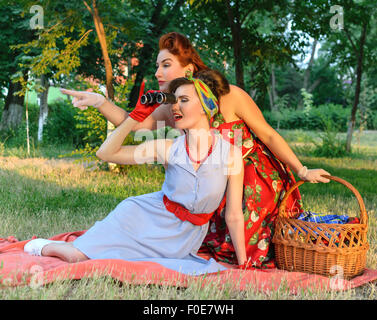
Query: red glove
x,y
142,111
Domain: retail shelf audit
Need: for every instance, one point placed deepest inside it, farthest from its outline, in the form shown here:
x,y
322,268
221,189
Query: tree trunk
x,y
102,40
359,73
314,85
134,94
309,67
235,27
253,93
43,106
158,23
272,93
100,30
270,98
306,84
13,108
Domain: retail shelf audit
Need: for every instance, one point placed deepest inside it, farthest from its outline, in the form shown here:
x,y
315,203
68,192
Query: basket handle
x,y
363,213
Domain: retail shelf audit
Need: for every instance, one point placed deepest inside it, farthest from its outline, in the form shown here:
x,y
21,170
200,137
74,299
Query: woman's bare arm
x,y
113,113
150,151
233,211
117,115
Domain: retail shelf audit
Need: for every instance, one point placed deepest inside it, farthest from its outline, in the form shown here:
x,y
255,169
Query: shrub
x,y
331,145
60,127
61,124
373,121
309,118
94,127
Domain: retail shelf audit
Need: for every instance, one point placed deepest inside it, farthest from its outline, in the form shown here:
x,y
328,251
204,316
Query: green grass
x,y
36,151
44,196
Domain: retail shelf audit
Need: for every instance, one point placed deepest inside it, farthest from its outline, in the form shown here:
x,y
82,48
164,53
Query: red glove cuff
x,y
142,111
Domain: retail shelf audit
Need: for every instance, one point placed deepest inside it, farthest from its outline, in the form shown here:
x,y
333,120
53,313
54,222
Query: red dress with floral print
x,y
266,180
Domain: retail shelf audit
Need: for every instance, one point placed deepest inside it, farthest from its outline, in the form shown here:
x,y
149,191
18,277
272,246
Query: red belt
x,y
183,214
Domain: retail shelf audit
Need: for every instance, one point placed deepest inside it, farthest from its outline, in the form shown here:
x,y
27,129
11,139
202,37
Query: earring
x,y
188,74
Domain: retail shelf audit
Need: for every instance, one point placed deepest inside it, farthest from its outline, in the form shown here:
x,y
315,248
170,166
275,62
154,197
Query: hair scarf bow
x,y
207,98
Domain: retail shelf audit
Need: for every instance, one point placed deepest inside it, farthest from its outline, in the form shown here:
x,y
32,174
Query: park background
x,y
309,65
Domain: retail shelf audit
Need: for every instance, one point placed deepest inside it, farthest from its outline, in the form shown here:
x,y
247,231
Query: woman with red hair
x,y
268,159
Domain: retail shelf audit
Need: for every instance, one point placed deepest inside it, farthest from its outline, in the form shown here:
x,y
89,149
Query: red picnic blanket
x,y
19,268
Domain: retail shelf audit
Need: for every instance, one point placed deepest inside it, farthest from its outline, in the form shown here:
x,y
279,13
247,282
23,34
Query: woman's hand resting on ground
x,y
83,99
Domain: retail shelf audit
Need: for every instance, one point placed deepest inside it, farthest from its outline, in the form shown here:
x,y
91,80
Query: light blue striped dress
x,y
141,229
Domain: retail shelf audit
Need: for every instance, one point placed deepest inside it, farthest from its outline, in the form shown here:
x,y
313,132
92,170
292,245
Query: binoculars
x,y
158,97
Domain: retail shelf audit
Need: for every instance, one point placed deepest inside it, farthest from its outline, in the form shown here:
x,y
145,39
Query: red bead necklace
x,y
209,150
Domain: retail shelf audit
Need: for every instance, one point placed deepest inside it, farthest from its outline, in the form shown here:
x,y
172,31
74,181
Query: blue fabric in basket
x,y
323,218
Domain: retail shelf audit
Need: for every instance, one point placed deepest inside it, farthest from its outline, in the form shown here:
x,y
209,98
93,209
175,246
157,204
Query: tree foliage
x,y
246,37
15,30
256,43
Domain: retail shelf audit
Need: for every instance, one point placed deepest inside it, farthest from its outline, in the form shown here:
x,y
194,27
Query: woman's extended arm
x,y
233,211
115,114
247,110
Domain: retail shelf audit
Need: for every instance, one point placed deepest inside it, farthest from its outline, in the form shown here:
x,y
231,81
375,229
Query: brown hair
x,y
181,47
214,79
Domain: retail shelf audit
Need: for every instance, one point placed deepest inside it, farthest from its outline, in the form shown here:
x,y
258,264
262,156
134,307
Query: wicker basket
x,y
321,248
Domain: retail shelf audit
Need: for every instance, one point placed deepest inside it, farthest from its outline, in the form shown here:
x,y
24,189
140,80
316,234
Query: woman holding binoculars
x,y
267,158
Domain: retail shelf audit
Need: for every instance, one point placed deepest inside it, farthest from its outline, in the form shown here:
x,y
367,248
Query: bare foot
x,y
65,251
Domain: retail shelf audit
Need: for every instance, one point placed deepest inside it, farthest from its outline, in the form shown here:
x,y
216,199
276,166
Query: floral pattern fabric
x,y
266,180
